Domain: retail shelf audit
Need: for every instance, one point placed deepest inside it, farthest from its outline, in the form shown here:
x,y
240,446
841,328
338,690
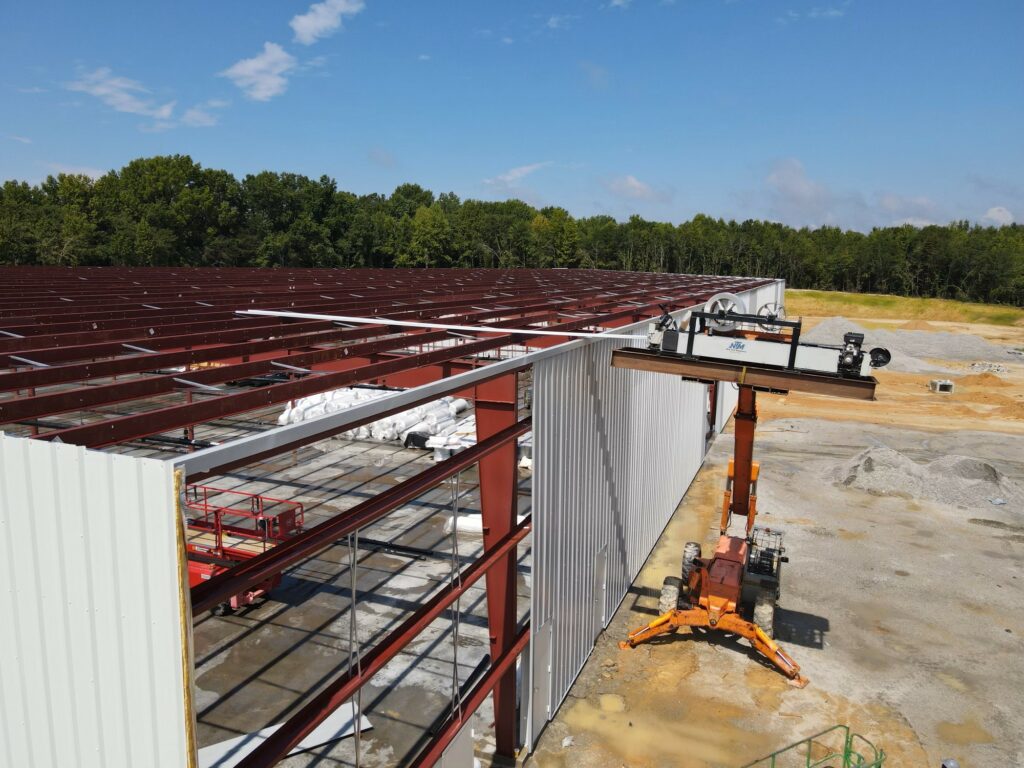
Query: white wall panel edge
x,y
93,650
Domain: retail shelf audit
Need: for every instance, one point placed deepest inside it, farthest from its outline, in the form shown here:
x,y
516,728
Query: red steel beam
x,y
251,286
63,373
295,299
342,687
174,298
153,331
34,327
495,410
85,397
51,355
118,430
208,594
500,667
282,448
165,322
744,425
133,389
119,366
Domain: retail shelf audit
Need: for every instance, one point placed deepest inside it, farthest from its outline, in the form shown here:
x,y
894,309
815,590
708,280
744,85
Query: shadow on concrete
x,y
644,600
799,628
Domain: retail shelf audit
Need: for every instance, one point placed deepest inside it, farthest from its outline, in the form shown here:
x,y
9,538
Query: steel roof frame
x,y
83,397
43,355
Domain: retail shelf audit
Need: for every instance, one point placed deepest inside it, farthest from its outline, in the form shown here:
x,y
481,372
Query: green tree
x,y
555,239
430,241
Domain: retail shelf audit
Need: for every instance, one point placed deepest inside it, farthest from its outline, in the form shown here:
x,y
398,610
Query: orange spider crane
x,y
735,589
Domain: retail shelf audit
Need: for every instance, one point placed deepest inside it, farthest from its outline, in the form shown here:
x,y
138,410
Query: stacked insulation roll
x,y
453,438
433,418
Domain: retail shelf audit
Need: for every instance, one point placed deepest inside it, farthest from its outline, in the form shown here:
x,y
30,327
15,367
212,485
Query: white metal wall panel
x,y
92,663
614,452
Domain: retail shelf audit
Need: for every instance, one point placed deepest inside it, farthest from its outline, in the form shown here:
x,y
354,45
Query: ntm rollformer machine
x,y
736,589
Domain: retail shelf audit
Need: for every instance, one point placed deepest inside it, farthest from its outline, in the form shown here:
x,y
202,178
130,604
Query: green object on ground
x,y
835,747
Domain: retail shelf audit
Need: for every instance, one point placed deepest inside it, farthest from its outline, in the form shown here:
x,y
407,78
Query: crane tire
x,y
669,600
690,553
764,613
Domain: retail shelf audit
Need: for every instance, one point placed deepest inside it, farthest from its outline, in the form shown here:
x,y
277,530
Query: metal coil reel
x,y
722,305
772,312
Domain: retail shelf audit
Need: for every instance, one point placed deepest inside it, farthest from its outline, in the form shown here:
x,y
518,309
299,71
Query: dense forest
x,y
171,211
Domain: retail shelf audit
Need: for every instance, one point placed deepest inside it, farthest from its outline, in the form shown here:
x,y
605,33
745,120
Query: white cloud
x,y
508,40
818,12
322,19
202,115
511,178
157,126
76,170
19,139
998,215
262,77
424,57
795,197
559,21
831,12
121,94
791,196
631,187
620,3
32,89
917,210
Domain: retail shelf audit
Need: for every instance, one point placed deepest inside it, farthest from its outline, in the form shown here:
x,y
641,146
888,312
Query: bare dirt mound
x,y
983,380
918,325
960,481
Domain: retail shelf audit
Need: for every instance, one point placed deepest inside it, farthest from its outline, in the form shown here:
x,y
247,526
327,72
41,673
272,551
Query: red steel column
x,y
495,411
744,423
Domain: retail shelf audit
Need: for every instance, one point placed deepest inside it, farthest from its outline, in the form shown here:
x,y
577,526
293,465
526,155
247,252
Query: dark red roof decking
x,y
103,356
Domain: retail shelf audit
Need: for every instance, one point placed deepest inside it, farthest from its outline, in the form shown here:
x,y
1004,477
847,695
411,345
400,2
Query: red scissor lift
x,y
229,527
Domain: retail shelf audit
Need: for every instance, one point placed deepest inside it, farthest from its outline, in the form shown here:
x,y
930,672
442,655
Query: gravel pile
x,y
959,481
911,348
988,367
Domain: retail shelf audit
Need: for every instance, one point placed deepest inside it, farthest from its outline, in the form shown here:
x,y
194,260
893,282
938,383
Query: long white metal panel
x,y
94,664
614,452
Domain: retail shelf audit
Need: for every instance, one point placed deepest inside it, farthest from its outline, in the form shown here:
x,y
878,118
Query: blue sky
x,y
849,112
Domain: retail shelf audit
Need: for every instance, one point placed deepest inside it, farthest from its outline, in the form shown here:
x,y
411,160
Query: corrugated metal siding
x,y
614,451
90,636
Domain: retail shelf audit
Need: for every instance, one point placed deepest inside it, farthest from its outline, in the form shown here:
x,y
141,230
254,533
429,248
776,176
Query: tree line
x,y
169,210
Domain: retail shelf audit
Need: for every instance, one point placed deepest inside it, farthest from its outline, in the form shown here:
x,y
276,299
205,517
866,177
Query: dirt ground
x,y
906,614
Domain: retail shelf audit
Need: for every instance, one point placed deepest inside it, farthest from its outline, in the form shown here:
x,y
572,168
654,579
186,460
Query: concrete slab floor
x,y
907,616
